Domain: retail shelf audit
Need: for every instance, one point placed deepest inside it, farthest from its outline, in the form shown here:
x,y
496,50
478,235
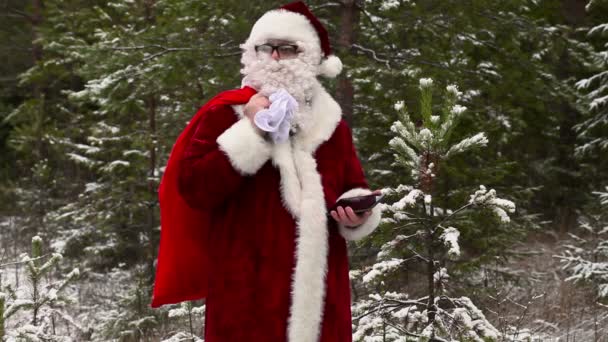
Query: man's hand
x,y
348,218
256,103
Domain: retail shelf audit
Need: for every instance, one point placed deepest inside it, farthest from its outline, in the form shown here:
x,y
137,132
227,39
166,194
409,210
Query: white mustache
x,y
276,66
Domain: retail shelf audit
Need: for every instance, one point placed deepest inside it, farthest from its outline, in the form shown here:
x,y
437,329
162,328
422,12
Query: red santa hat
x,y
295,22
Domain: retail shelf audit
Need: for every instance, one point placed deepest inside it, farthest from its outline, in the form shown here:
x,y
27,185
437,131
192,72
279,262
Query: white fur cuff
x,y
246,149
368,226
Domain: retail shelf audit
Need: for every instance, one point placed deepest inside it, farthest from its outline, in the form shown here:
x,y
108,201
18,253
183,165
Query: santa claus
x,y
246,196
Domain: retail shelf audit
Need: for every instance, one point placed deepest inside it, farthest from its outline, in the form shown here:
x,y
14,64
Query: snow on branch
x,y
487,198
478,140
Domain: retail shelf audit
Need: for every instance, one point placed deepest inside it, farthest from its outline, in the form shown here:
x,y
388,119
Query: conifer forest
x,y
483,122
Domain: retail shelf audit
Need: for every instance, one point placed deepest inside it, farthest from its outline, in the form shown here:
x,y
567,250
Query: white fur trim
x,y
239,110
246,149
326,114
283,24
291,187
308,281
331,66
372,222
302,194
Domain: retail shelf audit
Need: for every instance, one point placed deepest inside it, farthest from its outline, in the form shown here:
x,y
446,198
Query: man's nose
x,y
275,55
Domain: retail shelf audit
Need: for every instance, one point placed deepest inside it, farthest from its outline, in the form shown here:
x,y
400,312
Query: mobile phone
x,y
359,204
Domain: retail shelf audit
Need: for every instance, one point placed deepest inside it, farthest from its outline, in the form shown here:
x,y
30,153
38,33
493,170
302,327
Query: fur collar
x,y
326,114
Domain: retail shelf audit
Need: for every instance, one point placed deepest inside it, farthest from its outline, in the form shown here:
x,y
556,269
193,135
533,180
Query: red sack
x,y
182,268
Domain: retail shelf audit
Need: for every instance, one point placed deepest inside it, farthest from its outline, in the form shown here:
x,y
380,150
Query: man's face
x,y
274,64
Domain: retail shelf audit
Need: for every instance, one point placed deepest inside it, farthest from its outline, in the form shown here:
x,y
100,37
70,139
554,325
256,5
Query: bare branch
x,y
327,4
20,14
373,53
165,50
142,47
382,304
8,79
23,262
454,213
417,254
378,32
228,54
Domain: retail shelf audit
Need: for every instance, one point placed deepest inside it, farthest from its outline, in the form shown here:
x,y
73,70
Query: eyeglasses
x,y
284,51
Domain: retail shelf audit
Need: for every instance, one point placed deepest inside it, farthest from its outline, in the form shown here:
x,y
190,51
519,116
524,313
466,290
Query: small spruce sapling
x,y
419,230
585,258
35,313
189,314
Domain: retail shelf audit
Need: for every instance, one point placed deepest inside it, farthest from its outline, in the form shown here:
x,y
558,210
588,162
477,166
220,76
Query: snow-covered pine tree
x,y
144,68
585,258
35,307
2,303
420,230
190,316
393,49
593,130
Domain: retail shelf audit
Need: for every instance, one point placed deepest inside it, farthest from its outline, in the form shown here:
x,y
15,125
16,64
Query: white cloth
x,y
277,119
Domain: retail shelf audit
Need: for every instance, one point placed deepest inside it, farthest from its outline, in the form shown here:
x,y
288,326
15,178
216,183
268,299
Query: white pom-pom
x,y
331,66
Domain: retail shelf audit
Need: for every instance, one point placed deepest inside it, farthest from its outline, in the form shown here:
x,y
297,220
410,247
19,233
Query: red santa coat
x,y
276,264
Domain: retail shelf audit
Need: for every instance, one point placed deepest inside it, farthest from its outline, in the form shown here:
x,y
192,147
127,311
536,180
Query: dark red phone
x,y
359,204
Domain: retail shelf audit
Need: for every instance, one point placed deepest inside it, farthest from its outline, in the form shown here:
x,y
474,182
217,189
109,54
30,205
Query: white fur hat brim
x,y
294,27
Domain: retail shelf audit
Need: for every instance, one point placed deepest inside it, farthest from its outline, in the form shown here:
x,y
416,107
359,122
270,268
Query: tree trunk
x,y
349,18
152,184
566,216
2,302
153,142
38,91
430,273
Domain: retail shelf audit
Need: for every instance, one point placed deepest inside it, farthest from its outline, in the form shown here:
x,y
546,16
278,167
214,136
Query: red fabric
x,y
183,229
301,8
245,268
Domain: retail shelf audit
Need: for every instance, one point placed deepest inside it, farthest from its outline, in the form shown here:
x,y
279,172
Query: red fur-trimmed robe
x,y
272,264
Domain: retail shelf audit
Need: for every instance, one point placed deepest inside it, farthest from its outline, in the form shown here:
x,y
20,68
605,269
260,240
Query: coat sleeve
x,y
355,184
222,151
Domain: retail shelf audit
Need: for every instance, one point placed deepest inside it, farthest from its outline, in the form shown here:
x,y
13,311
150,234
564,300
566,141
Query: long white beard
x,y
297,77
